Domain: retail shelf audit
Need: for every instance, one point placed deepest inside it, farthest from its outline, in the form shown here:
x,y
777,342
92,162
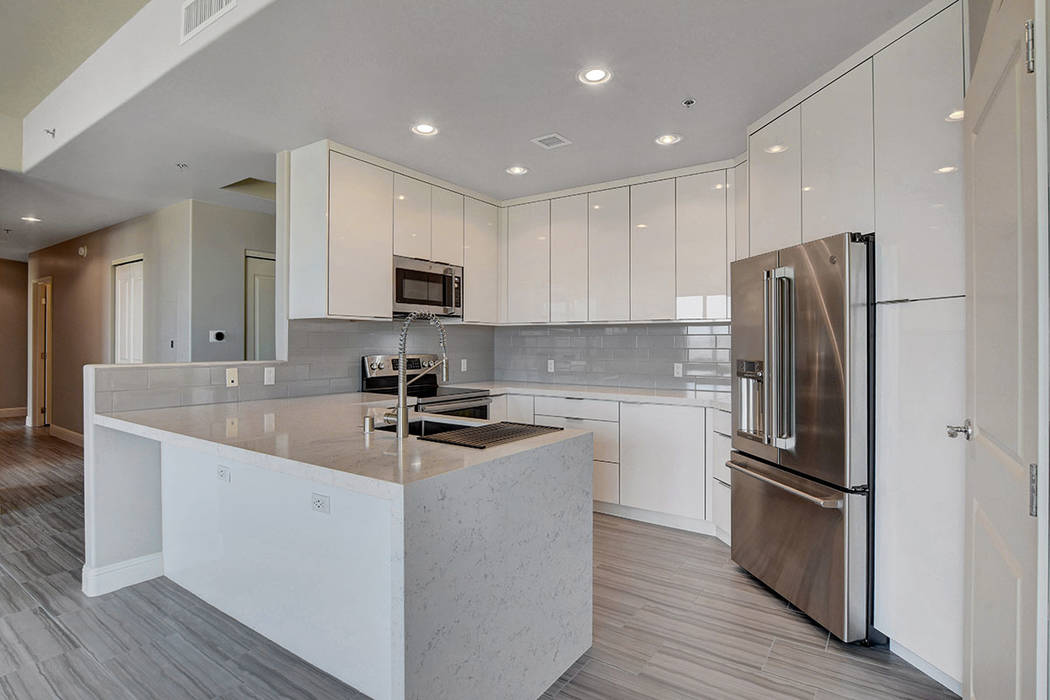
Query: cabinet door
x,y
609,255
528,269
701,244
920,483
446,226
498,408
662,459
920,244
519,409
775,162
411,217
480,262
653,251
838,160
741,220
360,238
569,259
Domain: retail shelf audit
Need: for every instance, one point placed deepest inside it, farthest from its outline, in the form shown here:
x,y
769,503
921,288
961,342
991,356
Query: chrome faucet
x,y
401,416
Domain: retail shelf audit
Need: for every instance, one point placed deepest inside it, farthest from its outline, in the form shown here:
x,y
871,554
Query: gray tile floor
x,y
673,618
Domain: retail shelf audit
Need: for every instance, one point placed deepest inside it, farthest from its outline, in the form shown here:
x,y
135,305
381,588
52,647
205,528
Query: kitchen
x,y
747,368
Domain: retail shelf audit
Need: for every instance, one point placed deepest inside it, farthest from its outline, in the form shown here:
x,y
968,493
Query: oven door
x,y
466,408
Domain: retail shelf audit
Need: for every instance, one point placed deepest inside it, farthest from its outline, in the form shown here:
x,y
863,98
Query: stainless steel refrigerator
x,y
802,460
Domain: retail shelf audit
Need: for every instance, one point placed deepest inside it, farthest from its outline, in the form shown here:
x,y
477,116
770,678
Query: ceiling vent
x,y
551,141
198,14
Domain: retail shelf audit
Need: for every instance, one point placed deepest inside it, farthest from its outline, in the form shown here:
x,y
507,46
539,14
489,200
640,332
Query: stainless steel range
x,y
379,376
802,461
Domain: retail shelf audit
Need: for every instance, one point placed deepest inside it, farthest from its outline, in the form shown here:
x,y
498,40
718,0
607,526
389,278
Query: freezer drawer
x,y
804,540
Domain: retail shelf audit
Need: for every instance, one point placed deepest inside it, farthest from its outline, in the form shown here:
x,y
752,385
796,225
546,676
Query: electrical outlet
x,y
463,365
231,376
678,369
269,422
223,474
550,365
320,503
269,375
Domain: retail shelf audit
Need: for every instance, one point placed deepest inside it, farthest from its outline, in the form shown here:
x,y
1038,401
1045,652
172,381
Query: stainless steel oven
x,y
422,285
472,407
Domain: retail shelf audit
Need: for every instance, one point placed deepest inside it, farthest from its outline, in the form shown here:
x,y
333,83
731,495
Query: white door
x,y
775,163
609,255
1003,345
446,226
569,259
700,242
412,217
127,313
481,286
528,276
260,314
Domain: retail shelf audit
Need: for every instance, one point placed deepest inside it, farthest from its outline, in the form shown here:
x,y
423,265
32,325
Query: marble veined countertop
x,y
706,399
316,437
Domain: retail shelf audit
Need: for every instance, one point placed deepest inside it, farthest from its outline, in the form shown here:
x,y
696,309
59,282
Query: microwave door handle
x,y
783,284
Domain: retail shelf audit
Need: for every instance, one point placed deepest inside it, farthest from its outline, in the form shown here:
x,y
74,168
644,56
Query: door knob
x,y
966,430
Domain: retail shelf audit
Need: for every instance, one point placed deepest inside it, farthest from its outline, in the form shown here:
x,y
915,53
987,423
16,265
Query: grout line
x,y
768,652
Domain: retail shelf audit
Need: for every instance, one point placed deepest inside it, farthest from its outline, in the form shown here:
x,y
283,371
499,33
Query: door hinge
x,y
1033,490
1029,42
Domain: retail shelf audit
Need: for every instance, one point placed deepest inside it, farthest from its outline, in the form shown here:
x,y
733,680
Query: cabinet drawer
x,y
720,449
720,504
606,434
607,482
722,422
578,408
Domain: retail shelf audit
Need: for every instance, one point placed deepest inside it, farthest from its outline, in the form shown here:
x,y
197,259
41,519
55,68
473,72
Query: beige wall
x,y
14,289
82,299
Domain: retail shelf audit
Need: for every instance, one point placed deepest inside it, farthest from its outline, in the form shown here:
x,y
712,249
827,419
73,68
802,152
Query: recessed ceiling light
x,y
31,219
807,188
719,186
517,170
776,148
955,116
668,139
642,226
597,206
401,196
594,76
947,169
424,129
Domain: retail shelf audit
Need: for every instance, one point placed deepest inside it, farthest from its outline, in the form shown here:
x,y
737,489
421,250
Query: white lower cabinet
x,y
498,408
662,459
720,509
519,409
606,481
606,440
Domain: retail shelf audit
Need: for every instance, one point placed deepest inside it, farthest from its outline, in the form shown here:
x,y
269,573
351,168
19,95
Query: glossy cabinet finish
x,y
480,262
838,169
919,210
520,409
741,218
446,226
606,433
606,482
569,259
411,217
609,255
360,239
701,254
662,459
528,283
653,251
775,184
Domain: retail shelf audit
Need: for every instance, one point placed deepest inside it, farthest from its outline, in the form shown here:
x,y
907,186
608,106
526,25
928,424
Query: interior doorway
x,y
127,310
40,353
260,286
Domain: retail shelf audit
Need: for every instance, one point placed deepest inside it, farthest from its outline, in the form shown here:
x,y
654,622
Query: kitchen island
x,y
425,571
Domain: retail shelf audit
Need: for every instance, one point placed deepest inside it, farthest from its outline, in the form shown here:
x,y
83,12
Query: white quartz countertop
x,y
318,437
706,399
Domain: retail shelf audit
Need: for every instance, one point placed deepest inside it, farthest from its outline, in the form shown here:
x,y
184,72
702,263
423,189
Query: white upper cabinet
x,y
609,254
653,251
446,226
360,238
740,219
775,162
569,259
701,246
838,169
528,269
480,262
919,231
411,217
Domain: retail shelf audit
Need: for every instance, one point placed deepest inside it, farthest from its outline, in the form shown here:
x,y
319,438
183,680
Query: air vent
x,y
551,141
198,14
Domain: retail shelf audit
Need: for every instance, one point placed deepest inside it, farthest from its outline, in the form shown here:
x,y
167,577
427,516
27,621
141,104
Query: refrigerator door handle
x,y
769,392
833,502
783,357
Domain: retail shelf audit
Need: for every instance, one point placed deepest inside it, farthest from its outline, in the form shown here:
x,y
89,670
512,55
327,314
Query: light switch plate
x,y
269,375
223,473
231,376
463,365
678,369
550,365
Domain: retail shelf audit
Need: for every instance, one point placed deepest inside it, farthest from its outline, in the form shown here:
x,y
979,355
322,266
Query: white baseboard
x,y
926,667
723,535
678,522
16,412
57,431
106,579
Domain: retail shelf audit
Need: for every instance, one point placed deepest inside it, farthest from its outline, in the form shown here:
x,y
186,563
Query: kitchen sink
x,y
421,428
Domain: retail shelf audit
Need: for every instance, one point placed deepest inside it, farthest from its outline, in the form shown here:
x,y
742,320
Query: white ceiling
x,y
491,74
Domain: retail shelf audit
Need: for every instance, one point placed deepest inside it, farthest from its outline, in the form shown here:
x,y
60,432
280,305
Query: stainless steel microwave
x,y
422,285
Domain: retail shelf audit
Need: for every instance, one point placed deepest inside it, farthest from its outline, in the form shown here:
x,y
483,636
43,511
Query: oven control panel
x,y
387,365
